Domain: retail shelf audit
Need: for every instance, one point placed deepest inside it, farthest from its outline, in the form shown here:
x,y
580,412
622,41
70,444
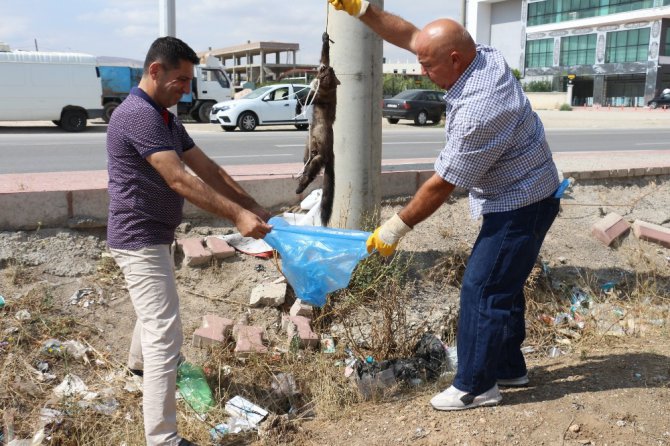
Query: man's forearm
x,y
390,27
205,197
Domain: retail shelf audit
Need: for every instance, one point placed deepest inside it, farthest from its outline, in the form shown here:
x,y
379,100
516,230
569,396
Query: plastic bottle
x,y
193,387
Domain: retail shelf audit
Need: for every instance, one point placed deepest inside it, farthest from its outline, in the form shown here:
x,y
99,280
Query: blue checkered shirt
x,y
496,147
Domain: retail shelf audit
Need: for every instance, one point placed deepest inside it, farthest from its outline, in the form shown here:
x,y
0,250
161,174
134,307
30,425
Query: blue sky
x,y
126,28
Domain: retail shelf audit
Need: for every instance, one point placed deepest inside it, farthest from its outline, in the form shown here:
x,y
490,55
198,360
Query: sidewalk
x,y
56,199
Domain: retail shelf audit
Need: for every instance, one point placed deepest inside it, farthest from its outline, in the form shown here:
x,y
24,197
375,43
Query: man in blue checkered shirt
x,y
496,148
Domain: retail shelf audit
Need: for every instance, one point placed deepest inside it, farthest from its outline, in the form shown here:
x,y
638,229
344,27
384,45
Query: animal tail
x,y
328,192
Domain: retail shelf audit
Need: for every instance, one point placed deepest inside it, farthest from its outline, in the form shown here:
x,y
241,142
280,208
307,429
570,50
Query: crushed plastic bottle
x,y
193,387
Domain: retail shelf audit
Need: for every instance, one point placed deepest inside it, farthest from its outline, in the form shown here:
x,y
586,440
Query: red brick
x,y
220,249
652,233
249,340
610,228
299,325
194,253
214,330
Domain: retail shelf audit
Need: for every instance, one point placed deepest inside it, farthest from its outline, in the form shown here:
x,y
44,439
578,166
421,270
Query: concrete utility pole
x,y
167,18
356,56
167,26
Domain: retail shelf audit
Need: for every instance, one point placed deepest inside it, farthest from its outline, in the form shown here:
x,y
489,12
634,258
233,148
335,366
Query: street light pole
x,y
167,26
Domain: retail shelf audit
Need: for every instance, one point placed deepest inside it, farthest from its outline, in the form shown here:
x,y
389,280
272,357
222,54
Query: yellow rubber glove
x,y
386,237
355,8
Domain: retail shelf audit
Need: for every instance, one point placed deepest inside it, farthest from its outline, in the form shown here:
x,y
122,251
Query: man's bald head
x,y
445,50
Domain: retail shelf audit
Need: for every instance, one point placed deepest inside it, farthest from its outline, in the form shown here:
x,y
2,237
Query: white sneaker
x,y
521,381
454,399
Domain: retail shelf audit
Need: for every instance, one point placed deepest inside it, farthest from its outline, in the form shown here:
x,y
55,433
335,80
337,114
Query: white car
x,y
270,105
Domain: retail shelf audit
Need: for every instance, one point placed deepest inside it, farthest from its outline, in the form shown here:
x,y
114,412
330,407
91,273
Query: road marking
x,y
651,143
251,156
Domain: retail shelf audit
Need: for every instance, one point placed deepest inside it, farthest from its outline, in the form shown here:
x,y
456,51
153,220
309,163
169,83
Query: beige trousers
x,y
157,337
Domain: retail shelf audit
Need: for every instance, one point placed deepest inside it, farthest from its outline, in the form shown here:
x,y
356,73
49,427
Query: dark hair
x,y
169,51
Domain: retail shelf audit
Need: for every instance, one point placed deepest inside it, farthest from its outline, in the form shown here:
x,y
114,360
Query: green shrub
x,y
565,107
537,86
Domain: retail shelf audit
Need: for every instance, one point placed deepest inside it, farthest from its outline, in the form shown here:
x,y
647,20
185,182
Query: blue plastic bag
x,y
315,260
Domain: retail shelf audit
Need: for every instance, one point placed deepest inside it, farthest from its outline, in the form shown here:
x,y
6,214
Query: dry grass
x,y
373,312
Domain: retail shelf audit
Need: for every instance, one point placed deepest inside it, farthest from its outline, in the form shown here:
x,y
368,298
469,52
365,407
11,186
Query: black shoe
x,y
185,442
137,372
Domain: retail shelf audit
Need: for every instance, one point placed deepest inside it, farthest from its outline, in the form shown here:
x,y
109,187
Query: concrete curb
x,y
79,199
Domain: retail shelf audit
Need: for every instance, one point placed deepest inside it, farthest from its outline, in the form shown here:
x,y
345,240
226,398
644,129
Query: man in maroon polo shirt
x,y
148,148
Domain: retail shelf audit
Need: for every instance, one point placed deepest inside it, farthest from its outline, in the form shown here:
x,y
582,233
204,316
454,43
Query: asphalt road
x,y
46,149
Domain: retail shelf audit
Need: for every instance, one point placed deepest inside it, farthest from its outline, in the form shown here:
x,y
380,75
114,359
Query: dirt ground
x,y
611,387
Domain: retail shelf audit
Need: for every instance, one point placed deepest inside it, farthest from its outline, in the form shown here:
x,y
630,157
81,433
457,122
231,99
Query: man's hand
x,y
386,237
263,213
355,8
251,225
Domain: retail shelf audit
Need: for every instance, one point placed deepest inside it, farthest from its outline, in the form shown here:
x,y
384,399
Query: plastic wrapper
x,y
316,261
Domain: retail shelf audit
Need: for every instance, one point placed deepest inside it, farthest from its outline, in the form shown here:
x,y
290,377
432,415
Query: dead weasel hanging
x,y
319,149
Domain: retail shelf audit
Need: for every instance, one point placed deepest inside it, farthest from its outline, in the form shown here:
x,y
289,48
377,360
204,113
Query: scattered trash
x,y
608,287
217,432
52,346
429,361
327,343
106,407
260,268
452,358
248,245
2,301
555,352
283,384
244,411
71,386
22,315
80,294
193,387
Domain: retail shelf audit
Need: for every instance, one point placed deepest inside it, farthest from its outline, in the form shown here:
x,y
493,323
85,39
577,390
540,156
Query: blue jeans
x,y
491,325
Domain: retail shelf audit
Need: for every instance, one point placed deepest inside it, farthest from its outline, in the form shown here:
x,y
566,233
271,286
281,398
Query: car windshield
x,y
257,93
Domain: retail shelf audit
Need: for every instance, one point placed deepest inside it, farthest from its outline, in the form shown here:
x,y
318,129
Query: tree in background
x,y
395,83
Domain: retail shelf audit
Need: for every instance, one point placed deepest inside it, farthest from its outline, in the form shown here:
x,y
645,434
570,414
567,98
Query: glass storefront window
x,y
627,46
540,53
578,50
554,11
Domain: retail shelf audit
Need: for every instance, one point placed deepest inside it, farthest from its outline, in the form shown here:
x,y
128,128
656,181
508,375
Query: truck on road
x,y
59,87
210,85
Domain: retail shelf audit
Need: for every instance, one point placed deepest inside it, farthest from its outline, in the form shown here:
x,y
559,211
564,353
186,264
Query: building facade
x,y
614,52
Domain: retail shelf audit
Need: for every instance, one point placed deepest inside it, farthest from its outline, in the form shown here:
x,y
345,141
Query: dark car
x,y
663,100
419,105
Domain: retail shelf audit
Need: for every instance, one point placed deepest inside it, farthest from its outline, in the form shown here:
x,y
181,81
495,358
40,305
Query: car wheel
x,y
203,111
653,104
421,118
302,126
107,111
228,128
247,122
73,120
392,120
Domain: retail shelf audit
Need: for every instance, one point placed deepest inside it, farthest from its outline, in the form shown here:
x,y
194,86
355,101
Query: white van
x,y
60,87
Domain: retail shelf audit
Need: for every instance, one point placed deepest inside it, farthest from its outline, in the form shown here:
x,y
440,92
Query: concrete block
x,y
610,228
249,340
220,249
300,309
194,253
299,326
652,233
268,294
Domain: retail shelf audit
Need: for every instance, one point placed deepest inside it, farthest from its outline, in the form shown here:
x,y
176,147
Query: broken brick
x,y
268,294
300,309
610,228
220,248
214,330
652,233
249,339
194,252
299,326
